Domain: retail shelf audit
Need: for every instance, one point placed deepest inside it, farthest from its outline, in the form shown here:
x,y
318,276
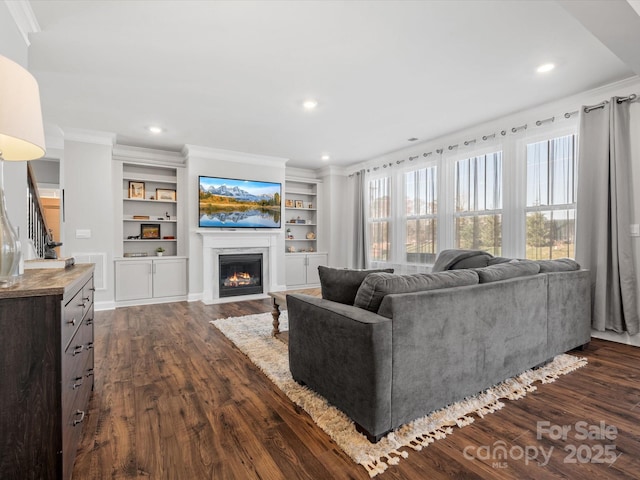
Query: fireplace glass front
x,y
240,274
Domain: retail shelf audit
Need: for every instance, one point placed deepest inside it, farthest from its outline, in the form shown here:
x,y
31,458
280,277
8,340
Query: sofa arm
x,y
343,353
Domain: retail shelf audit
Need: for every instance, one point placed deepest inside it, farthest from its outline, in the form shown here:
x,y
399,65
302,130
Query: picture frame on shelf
x,y
288,203
165,194
299,204
136,190
150,231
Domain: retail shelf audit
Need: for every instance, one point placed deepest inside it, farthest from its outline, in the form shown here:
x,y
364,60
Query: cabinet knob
x,y
77,350
81,419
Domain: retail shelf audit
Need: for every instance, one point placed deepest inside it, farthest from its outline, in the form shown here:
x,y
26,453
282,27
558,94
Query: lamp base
x,y
9,245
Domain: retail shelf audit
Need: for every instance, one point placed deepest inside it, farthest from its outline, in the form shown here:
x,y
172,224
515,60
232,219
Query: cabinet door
x,y
313,262
295,270
134,280
170,277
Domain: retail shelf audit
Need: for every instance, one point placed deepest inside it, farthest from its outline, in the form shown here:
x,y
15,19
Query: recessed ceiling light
x,y
325,157
310,104
547,67
155,129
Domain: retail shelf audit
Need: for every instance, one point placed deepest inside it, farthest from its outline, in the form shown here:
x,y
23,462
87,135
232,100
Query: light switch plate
x,y
635,229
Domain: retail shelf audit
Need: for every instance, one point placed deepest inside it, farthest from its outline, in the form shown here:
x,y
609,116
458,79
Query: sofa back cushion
x,y
377,285
341,284
558,265
504,271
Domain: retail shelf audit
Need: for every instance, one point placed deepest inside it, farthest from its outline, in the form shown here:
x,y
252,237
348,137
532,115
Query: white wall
x,y
334,221
224,163
86,177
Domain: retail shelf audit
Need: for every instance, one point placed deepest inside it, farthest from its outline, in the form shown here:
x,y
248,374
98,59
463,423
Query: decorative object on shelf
x,y
289,234
288,203
21,139
291,249
311,236
136,190
301,220
159,251
310,205
165,194
135,254
166,214
299,204
49,247
141,217
149,231
168,237
133,237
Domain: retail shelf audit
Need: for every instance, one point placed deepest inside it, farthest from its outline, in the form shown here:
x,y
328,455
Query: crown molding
x,y
208,153
151,156
24,18
89,136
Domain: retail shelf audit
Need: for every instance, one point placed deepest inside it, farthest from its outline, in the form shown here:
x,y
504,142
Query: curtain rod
x,y
514,130
629,98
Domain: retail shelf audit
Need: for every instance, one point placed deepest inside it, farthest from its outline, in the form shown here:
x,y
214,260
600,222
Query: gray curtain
x,y
603,242
360,250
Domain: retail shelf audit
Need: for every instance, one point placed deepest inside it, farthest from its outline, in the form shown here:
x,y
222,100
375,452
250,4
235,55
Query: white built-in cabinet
x,y
302,222
150,217
151,279
301,269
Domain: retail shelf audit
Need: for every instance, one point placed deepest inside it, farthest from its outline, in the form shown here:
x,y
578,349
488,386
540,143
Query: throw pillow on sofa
x,y
558,265
341,284
504,271
377,285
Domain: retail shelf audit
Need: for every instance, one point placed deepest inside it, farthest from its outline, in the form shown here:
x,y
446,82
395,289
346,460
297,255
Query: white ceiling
x,y
233,74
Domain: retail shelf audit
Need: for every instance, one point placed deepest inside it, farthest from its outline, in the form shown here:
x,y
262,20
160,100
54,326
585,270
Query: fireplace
x,y
240,274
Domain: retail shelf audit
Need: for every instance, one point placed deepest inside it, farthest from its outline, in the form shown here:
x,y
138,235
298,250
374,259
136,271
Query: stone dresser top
x,y
47,281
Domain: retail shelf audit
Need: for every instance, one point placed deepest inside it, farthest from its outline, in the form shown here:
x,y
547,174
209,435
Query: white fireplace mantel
x,y
224,242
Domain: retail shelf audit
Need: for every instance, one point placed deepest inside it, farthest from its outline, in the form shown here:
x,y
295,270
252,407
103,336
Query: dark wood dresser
x,y
46,371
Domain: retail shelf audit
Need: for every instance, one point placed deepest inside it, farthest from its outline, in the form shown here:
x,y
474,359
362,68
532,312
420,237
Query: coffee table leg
x,y
275,313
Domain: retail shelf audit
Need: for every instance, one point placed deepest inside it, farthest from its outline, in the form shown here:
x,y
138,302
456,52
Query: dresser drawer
x,y
72,314
77,363
72,423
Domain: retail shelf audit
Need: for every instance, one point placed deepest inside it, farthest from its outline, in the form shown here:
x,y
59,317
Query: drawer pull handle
x,y
93,289
77,349
89,321
80,420
89,346
89,372
76,384
87,299
73,321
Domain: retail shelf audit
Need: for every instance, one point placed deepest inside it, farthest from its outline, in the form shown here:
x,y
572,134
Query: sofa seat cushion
x,y
558,265
504,271
341,284
377,285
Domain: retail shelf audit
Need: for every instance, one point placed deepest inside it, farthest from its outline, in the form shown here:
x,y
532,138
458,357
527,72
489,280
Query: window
x,y
551,190
478,204
380,218
421,212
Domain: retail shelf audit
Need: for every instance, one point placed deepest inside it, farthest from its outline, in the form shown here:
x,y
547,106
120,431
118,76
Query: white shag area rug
x,y
252,335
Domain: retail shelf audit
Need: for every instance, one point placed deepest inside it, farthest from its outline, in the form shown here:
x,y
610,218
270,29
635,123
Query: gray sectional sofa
x,y
407,345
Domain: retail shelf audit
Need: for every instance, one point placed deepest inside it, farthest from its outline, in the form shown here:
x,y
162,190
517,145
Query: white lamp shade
x,y
21,131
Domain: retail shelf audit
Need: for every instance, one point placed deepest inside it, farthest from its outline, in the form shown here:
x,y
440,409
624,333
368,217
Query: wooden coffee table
x,y
280,302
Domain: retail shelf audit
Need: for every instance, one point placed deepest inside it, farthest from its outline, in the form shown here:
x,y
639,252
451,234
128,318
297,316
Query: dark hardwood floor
x,y
174,399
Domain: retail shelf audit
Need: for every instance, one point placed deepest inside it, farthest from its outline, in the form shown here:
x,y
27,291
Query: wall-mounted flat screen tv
x,y
236,203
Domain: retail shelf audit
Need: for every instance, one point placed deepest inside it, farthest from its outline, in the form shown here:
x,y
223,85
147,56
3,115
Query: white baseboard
x,y
617,337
